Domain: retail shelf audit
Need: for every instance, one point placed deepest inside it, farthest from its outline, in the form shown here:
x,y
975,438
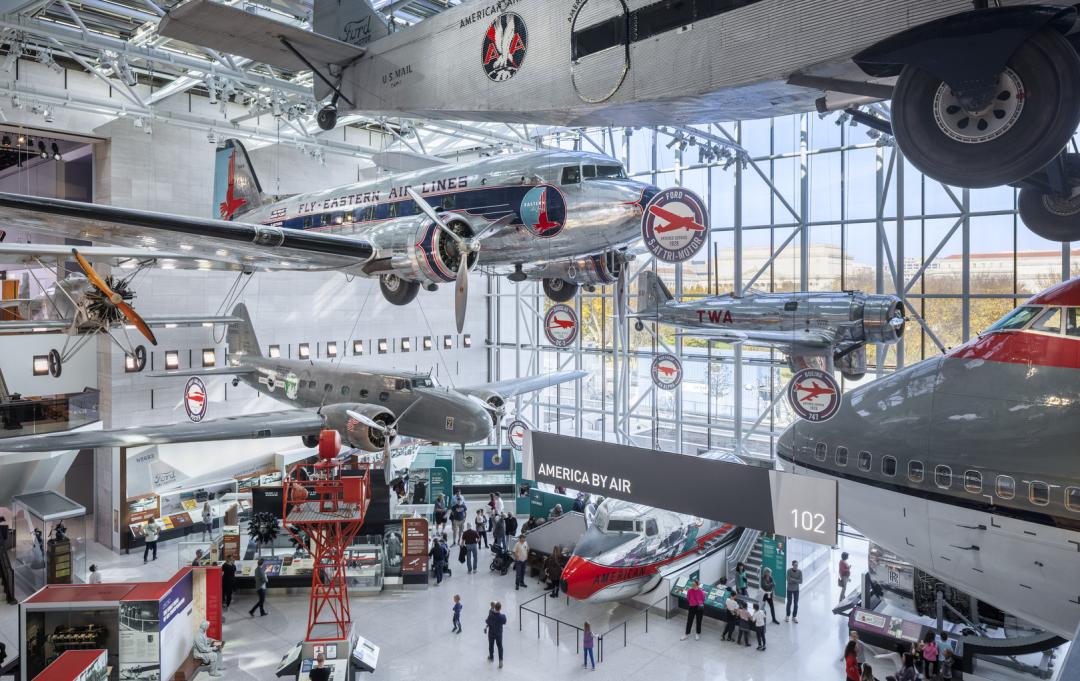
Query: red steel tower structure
x,y
324,507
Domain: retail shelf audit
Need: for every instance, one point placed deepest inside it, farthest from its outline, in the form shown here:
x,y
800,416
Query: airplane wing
x,y
204,243
518,386
38,325
725,335
792,343
235,31
30,254
249,426
203,371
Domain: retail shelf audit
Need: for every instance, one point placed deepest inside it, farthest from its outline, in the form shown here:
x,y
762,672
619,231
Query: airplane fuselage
x,y
964,465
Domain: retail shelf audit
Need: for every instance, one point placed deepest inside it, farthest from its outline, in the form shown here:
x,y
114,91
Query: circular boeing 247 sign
x,y
814,395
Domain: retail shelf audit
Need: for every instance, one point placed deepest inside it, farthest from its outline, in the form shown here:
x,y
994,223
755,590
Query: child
x,y
743,625
457,615
947,664
587,645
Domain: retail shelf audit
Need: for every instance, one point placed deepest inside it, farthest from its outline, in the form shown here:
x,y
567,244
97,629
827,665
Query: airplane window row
x,y
1042,319
382,346
1004,485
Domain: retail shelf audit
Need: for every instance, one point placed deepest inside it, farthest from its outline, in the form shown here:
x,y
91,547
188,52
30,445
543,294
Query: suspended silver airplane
x,y
368,409
564,217
965,464
85,305
822,330
981,96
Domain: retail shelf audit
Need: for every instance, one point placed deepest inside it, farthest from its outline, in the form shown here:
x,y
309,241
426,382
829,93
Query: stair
x,y
753,566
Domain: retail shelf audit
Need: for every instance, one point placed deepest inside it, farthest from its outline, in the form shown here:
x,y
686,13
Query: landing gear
x,y
1052,216
139,357
518,274
398,291
310,441
995,135
327,117
235,382
559,290
639,325
56,367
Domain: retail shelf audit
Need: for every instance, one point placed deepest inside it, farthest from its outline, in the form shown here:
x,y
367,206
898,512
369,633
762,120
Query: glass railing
x,y
48,413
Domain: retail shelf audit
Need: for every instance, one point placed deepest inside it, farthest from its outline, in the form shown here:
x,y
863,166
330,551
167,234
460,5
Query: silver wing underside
x,y
519,386
46,325
250,426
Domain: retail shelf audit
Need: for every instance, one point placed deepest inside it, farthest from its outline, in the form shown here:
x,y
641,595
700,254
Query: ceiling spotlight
x,y
7,141
41,149
22,139
55,152
211,137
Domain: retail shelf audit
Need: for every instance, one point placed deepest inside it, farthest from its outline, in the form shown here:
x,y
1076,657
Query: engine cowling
x,y
431,256
852,364
353,432
883,319
591,270
493,400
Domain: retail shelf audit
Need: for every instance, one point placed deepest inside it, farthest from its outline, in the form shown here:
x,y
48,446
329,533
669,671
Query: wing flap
x,y
250,426
234,31
202,241
34,325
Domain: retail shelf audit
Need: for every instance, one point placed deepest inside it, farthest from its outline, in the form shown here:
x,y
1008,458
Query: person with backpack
x,y
439,556
458,512
440,514
495,622
845,574
587,643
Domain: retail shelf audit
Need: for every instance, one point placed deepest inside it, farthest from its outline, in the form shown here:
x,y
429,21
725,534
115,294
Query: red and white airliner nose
x,y
585,580
577,578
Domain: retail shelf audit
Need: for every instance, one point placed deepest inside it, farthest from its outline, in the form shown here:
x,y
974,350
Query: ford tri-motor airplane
x,y
369,410
981,95
563,217
823,330
965,464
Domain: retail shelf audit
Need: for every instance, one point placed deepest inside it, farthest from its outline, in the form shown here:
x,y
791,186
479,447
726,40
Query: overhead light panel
x,y
304,351
357,347
275,351
172,360
209,357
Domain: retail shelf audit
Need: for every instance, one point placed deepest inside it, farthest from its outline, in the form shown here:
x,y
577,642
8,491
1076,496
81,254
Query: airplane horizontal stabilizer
x,y
235,31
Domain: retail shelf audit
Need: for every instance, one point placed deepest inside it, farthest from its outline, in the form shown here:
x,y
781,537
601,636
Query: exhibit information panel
x,y
415,548
796,506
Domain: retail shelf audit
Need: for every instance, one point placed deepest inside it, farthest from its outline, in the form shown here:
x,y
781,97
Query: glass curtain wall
x,y
804,202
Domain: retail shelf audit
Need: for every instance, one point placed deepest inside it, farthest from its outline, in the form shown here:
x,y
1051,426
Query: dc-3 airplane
x,y
82,306
965,464
981,96
369,410
822,330
564,217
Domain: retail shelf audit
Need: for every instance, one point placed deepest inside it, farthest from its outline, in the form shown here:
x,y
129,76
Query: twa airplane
x,y
628,547
563,217
821,330
965,464
981,95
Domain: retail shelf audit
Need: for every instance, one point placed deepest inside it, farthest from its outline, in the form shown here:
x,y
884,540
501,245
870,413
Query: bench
x,y
189,669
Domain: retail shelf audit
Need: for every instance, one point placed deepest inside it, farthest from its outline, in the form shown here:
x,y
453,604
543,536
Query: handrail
x,y
742,549
600,638
558,622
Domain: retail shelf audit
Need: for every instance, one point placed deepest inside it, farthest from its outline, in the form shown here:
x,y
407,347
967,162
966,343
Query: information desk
x,y
715,597
895,633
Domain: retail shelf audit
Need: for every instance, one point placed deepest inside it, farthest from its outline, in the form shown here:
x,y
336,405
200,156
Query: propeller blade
x,y
620,297
132,316
94,278
461,292
426,208
388,461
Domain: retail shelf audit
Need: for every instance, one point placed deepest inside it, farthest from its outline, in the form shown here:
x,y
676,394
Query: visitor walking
x,y
495,622
498,531
695,601
845,574
456,628
768,592
95,575
470,539
207,520
228,581
794,581
481,526
261,582
150,536
851,663
587,646
521,555
440,556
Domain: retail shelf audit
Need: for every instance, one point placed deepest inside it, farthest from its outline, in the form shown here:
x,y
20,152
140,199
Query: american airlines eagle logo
x,y
504,46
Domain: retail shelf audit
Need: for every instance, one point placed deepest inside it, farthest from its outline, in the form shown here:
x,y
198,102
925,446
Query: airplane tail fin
x,y
241,336
351,21
236,188
652,293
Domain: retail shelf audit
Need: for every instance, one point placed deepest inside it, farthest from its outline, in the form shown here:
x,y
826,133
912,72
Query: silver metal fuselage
x,y
600,214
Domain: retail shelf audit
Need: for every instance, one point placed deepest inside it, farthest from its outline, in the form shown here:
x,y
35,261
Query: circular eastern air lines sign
x,y
666,372
195,399
543,211
515,432
814,395
561,325
505,45
675,225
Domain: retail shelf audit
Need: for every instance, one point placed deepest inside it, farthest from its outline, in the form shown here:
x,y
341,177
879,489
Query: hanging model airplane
x,y
83,306
965,464
368,409
563,217
981,96
822,330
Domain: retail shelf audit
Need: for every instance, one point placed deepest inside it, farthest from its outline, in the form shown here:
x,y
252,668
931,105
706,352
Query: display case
x,y
50,540
179,513
483,470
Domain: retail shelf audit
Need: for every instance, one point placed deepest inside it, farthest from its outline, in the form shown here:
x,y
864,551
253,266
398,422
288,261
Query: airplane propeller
x,y
389,432
115,298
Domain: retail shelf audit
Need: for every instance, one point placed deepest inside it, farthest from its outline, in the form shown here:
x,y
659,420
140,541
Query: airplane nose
x,y
475,421
575,581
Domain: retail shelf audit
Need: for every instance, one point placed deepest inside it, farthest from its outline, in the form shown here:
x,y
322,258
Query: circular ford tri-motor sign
x,y
195,399
515,433
814,395
666,372
675,225
561,325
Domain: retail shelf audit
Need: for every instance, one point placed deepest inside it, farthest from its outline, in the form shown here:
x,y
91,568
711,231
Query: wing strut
x,y
316,71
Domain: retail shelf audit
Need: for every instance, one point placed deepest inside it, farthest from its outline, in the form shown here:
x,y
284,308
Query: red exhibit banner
x,y
213,601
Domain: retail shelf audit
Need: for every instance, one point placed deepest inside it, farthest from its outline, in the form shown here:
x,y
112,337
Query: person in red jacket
x,y
695,599
851,663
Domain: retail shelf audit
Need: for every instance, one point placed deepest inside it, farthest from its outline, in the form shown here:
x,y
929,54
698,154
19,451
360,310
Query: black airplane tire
x,y
1052,217
398,291
327,117
310,441
140,357
1022,134
559,290
56,366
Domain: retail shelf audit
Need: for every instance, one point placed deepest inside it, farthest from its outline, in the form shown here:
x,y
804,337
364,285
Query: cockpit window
x,y
571,175
1049,321
426,382
617,525
1072,321
588,172
614,172
1017,319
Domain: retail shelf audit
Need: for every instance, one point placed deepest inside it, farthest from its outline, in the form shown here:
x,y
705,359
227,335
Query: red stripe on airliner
x,y
1022,347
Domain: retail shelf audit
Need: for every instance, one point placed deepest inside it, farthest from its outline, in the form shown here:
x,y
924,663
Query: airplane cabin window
x,y
345,390
1072,498
821,450
588,172
363,392
328,388
1005,486
571,175
841,456
650,527
1017,319
915,471
1049,321
888,465
865,461
1072,321
943,477
973,482
1038,493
